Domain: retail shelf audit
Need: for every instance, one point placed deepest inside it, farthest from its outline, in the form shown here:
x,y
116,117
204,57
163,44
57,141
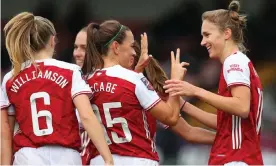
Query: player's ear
x,y
115,47
52,41
227,33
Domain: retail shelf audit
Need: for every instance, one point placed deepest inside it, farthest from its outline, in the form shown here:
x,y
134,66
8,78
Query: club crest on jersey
x,y
147,83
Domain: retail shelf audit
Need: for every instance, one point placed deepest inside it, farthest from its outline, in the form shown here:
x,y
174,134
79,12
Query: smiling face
x,y
213,39
126,51
80,48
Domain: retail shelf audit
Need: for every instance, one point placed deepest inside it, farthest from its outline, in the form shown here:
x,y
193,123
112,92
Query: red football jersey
x,y
121,99
86,151
43,103
238,139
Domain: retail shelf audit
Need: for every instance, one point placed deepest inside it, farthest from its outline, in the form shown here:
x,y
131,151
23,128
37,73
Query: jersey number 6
x,y
41,113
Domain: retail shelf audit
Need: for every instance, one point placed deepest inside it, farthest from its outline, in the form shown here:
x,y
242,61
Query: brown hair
x,y
26,34
229,19
99,38
154,73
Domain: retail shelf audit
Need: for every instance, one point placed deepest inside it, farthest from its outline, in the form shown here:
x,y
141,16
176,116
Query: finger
x,y
177,59
172,58
173,89
183,64
144,44
175,94
169,90
146,38
172,81
142,41
168,86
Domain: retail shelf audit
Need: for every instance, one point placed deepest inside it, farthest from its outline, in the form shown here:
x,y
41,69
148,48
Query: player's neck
x,y
109,62
228,50
43,55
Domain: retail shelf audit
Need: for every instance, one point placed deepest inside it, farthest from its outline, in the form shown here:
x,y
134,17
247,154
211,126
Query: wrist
x,y
198,92
109,162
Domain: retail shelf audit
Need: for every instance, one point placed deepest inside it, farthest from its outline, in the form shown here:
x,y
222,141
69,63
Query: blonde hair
x,y
25,35
229,19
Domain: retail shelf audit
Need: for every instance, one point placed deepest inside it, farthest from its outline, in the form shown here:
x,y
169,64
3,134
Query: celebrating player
x,y
122,98
240,96
157,77
44,93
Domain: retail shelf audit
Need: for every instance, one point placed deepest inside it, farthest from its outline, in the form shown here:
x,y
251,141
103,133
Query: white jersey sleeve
x,y
145,93
236,70
4,101
79,85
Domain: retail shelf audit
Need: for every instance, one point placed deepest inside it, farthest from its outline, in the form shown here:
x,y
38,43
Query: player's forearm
x,y
231,105
174,103
192,134
200,135
206,118
6,152
11,120
6,140
96,134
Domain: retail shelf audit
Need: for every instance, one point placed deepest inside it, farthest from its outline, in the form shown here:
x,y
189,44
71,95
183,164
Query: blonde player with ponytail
x,y
44,93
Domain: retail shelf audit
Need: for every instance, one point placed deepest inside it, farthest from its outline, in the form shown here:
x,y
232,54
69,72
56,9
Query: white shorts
x,y
47,155
236,163
124,160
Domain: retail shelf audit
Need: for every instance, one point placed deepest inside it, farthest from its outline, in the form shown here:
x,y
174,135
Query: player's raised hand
x,y
144,58
178,69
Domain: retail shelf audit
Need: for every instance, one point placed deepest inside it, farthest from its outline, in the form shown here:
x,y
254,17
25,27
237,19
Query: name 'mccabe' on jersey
x,y
121,99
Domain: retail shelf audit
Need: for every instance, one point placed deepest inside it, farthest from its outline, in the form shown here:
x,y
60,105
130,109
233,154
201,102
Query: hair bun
x,y
96,26
93,26
234,6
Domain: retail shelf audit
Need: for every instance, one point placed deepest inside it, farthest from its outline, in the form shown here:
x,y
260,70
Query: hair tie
x,y
114,36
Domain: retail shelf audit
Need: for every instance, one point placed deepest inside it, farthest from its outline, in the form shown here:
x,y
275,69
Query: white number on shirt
x,y
260,111
97,113
41,113
110,122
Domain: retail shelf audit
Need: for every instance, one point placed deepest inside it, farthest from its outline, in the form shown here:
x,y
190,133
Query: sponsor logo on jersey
x,y
234,67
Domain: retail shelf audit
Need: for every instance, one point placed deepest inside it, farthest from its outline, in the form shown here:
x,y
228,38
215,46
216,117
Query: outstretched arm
x,y
206,118
193,134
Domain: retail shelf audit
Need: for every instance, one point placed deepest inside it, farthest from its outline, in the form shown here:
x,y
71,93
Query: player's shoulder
x,y
237,58
61,64
124,74
7,77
